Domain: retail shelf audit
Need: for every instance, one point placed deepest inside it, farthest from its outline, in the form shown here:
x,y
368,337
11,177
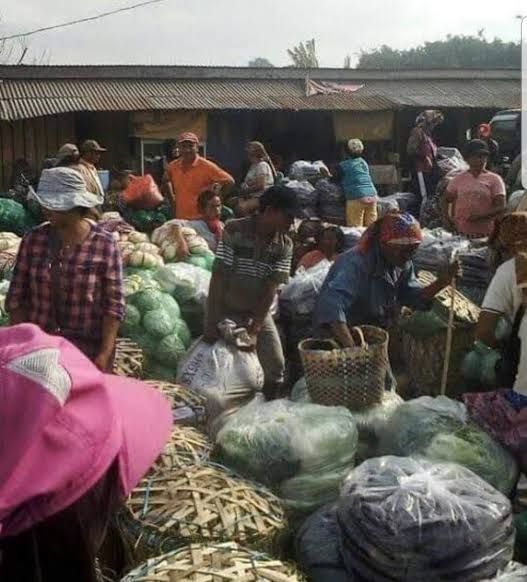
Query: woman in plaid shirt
x,y
68,274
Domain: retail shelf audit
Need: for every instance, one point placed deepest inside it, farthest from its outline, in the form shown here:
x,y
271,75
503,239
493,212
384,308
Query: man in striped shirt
x,y
252,260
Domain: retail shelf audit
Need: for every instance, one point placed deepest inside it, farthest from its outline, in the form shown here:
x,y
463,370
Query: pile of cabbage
x,y
303,451
439,429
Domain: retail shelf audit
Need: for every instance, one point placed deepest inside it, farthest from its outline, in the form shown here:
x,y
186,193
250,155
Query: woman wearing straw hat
x,y
68,274
78,442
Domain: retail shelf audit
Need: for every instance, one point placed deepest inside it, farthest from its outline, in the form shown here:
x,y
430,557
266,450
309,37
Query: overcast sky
x,y
231,32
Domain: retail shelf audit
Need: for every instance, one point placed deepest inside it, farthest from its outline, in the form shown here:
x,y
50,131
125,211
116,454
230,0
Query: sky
x,y
232,32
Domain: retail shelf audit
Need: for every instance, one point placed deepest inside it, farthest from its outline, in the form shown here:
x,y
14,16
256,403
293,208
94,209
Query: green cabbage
x,y
169,351
155,371
147,300
132,321
158,323
145,341
170,305
183,332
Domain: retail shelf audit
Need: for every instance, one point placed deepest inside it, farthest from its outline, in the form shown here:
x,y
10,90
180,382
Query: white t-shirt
x,y
504,297
256,171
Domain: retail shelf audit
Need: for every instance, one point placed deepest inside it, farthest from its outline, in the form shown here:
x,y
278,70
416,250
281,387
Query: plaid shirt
x,y
91,277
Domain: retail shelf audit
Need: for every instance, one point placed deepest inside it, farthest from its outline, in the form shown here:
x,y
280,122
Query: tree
x,y
347,62
304,55
260,62
454,52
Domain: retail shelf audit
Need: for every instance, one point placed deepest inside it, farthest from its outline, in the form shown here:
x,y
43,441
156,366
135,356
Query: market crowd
x,y
78,439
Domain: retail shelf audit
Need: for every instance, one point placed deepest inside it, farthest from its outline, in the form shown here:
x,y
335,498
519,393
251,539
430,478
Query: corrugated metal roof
x,y
25,98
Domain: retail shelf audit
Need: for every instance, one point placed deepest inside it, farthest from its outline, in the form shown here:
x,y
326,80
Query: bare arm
x,y
110,329
342,333
215,306
486,328
264,305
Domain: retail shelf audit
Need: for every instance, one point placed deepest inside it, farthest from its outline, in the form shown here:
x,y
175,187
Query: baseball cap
x,y
280,198
68,149
64,423
188,136
90,145
476,147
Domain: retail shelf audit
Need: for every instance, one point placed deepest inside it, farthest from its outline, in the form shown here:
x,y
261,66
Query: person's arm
x,y
412,293
182,250
113,306
444,280
216,300
16,302
219,176
263,176
486,328
168,188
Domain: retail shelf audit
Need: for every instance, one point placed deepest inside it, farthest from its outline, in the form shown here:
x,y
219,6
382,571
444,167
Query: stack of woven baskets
x,y
192,520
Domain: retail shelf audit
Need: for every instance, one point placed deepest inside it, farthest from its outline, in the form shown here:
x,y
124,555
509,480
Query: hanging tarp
x,y
366,125
168,124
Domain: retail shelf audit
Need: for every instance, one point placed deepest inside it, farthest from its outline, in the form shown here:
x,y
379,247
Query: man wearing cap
x,y
477,196
252,260
91,156
188,176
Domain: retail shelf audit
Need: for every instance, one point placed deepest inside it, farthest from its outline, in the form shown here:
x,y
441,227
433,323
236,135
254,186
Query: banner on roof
x,y
168,124
326,88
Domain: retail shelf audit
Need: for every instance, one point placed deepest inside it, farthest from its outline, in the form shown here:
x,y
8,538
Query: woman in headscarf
x,y
369,283
422,150
261,175
504,412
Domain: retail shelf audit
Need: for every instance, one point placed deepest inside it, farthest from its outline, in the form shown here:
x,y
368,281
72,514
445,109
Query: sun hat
x,y
61,189
355,146
477,147
188,136
68,149
90,145
64,423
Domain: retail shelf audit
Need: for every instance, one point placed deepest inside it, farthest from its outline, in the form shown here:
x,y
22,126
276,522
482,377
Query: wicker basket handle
x,y
359,332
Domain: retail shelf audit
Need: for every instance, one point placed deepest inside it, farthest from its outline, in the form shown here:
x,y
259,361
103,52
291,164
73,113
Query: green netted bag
x,y
145,220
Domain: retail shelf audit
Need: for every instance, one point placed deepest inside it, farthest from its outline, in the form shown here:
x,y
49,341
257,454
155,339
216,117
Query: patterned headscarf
x,y
394,228
512,234
429,117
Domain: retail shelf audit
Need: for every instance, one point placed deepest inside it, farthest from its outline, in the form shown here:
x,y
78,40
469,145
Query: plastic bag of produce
x,y
228,378
300,294
317,547
513,572
439,429
14,217
185,282
142,193
410,519
273,442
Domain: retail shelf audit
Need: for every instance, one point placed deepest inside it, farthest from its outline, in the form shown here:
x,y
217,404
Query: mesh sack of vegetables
x,y
303,450
409,519
145,220
317,547
14,217
370,421
439,429
184,282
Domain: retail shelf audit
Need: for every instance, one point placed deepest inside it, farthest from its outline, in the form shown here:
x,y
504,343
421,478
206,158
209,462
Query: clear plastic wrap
x,y
317,547
304,170
439,429
299,296
413,520
370,421
513,572
281,440
185,282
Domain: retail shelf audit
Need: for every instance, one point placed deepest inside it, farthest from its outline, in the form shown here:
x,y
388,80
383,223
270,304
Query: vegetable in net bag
x,y
183,332
413,520
439,429
170,351
275,441
317,547
14,217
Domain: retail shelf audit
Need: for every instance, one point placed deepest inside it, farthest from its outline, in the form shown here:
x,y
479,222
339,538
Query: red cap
x,y
188,136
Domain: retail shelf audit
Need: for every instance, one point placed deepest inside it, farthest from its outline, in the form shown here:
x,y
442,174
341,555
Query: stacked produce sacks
x,y
200,254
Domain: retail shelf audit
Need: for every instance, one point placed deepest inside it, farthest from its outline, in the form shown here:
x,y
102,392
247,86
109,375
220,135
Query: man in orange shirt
x,y
188,176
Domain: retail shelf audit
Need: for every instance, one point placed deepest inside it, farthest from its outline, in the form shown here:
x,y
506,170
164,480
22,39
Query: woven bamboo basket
x,y
129,359
187,446
203,503
214,563
351,377
183,399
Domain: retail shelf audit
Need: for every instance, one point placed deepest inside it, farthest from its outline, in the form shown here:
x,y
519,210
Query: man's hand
x,y
452,271
103,361
182,250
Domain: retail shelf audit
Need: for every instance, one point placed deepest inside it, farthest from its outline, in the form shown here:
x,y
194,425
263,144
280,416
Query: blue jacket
x,y
364,290
356,179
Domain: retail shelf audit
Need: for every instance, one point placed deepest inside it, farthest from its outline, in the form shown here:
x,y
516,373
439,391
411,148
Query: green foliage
x,y
458,51
260,63
304,55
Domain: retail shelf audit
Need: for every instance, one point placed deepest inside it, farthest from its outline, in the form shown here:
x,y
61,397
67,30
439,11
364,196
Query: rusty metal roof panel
x,y
23,98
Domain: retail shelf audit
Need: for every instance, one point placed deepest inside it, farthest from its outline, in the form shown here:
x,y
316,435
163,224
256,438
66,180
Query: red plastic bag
x,y
142,193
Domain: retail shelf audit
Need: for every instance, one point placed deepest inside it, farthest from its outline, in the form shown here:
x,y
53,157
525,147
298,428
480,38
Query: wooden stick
x,y
449,334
